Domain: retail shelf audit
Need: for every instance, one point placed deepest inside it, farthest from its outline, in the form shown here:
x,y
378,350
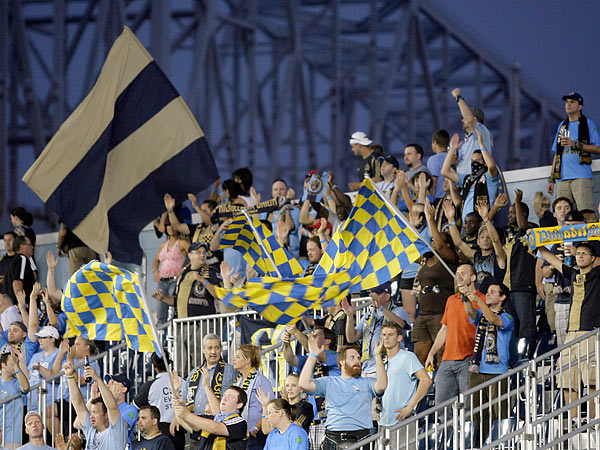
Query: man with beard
x,y
314,252
348,397
147,424
220,375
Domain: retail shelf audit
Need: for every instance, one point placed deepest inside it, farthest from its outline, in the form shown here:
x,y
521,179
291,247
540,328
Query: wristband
x,y
382,308
312,354
452,224
70,377
18,371
205,283
264,417
458,98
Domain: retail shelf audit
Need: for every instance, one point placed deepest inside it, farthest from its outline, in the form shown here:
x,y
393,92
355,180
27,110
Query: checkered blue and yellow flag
x,y
105,303
240,236
372,247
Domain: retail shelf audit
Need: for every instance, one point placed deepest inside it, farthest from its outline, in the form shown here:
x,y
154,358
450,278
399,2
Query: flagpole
x,y
403,218
154,331
260,242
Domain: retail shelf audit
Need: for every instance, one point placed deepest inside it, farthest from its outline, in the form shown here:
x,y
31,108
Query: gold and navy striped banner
x,y
130,141
538,237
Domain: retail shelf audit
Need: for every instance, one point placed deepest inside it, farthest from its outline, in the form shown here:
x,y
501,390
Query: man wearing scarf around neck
x,y
491,351
577,138
215,372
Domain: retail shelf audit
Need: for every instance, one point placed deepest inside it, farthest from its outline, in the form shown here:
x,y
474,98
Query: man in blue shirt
x,y
103,426
491,352
348,397
577,138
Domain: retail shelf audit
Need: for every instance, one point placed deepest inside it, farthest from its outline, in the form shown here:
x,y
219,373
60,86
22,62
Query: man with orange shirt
x,y
459,336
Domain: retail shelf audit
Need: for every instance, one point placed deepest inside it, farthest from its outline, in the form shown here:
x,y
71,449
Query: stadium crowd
x,y
447,320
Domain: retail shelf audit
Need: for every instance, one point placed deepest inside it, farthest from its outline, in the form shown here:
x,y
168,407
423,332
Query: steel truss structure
x,y
277,85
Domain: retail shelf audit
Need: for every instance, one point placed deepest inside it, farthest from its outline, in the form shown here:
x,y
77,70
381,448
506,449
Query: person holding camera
x,y
577,138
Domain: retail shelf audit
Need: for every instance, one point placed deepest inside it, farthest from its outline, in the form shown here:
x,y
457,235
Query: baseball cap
x,y
48,331
574,96
197,246
385,287
478,113
119,379
32,413
587,245
574,216
392,160
358,137
317,224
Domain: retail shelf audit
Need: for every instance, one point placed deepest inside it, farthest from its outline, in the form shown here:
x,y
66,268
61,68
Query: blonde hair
x,y
541,203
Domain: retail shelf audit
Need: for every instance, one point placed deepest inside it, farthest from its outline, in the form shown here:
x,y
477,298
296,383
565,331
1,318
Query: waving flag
x,y
131,140
105,303
373,247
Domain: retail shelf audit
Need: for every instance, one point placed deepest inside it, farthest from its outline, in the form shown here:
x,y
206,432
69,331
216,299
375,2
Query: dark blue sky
x,y
556,43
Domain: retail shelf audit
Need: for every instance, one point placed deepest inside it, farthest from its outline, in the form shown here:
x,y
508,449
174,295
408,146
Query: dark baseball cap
x,y
385,287
119,379
574,216
197,246
587,245
574,96
392,160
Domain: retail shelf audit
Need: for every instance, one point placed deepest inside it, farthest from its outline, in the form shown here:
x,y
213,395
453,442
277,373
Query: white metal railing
x,y
529,411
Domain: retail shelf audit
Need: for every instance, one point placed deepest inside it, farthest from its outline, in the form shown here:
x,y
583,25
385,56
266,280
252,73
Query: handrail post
x,y
530,407
458,422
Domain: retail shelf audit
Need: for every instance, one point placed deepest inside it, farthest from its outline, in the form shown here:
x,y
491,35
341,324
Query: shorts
x,y
407,283
584,370
426,327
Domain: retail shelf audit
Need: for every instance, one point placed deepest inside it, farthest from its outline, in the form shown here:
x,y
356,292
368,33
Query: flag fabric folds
x,y
240,236
372,247
130,141
104,302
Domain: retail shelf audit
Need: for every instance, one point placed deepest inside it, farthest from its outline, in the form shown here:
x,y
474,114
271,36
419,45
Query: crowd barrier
x,y
524,408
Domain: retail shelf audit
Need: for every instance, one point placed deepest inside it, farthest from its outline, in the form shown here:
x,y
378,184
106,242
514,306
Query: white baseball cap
x,y
48,331
358,137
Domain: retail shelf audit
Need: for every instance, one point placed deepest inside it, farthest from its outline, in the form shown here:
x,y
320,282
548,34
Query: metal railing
x,y
525,408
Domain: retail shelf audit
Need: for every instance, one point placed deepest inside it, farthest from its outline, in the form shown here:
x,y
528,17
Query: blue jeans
x,y
452,378
524,306
168,288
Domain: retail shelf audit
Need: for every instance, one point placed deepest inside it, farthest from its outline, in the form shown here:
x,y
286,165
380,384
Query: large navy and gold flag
x,y
105,303
373,247
130,141
240,236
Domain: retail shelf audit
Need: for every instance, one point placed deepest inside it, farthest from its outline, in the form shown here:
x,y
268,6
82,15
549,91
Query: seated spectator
x,y
153,438
103,425
491,352
13,380
480,183
22,220
369,328
226,429
286,434
34,427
